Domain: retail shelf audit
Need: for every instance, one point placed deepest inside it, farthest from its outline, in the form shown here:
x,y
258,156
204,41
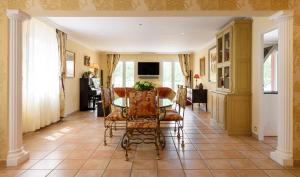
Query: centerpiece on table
x,y
143,85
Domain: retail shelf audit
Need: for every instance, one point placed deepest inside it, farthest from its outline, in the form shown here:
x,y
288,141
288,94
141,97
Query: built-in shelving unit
x,y
231,101
224,60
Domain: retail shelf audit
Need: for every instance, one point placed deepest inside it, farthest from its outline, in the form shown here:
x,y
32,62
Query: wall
x,y
296,83
103,66
259,27
270,114
3,88
72,84
147,58
196,69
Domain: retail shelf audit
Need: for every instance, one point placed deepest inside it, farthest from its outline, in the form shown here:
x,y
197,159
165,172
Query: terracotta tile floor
x,y
74,147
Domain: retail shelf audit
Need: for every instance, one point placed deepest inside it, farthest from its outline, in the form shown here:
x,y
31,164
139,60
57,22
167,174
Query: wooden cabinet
x,y
219,109
197,96
231,101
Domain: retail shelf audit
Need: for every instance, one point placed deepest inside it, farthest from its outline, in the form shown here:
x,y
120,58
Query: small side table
x,y
197,96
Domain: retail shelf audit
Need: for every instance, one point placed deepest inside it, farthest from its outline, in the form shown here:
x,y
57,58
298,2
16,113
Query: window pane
x,y
270,72
129,67
178,77
167,74
117,77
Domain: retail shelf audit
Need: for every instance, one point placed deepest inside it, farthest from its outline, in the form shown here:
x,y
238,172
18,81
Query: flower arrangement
x,y
143,85
87,74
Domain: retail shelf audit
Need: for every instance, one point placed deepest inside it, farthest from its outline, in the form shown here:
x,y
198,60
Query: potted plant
x,y
144,85
87,74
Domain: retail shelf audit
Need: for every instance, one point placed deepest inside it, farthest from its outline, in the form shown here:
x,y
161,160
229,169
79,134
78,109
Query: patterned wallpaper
x,y
176,5
149,5
296,75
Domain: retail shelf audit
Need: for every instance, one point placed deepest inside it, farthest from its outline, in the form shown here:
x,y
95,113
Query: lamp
x,y
196,76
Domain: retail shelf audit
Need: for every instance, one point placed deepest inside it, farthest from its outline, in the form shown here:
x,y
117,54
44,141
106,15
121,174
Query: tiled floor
x,y
75,147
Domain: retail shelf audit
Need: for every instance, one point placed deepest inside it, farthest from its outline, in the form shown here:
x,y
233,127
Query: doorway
x,y
270,98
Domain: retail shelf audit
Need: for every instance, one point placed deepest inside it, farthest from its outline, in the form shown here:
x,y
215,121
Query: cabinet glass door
x,y
227,46
227,77
220,49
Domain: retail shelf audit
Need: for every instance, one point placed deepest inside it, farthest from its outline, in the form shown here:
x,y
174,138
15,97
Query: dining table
x,y
163,103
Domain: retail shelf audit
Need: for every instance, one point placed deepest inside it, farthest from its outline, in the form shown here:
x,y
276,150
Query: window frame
x,y
173,62
274,92
124,72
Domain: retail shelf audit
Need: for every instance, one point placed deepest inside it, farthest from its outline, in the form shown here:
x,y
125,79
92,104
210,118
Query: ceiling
x,y
141,34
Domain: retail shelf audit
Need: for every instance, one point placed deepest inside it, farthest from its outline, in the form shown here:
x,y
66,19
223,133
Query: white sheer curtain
x,y
41,105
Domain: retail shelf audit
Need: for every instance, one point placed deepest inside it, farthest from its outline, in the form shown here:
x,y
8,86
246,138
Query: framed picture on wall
x,y
87,60
212,64
202,66
70,64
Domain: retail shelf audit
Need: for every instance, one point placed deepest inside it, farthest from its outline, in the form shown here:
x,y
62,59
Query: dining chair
x,y
176,105
177,116
142,120
176,99
115,115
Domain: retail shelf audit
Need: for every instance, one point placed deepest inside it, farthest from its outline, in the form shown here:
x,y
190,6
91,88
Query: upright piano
x,y
89,93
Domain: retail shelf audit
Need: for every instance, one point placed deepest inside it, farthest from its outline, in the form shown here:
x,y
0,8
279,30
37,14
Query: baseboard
x,y
284,159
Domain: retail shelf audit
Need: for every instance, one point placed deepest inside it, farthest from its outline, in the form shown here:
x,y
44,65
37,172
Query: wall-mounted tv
x,y
148,68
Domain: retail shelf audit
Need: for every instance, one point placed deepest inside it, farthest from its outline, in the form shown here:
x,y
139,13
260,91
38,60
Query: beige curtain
x,y
41,76
185,64
112,61
62,39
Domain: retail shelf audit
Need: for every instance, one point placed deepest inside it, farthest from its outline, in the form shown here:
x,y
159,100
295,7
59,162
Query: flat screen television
x,y
148,68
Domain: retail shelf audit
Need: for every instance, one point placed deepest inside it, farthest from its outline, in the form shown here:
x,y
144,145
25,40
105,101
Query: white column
x,y
284,153
16,152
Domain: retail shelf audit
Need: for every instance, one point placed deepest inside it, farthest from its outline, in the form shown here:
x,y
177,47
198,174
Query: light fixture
x,y
196,76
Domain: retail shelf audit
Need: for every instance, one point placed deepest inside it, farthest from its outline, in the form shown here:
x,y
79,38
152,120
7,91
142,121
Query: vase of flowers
x,y
87,74
143,85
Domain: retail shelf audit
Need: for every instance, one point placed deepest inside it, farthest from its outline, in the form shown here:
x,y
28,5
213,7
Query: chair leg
x,y
126,147
156,144
111,129
178,132
115,126
181,128
123,145
106,128
175,129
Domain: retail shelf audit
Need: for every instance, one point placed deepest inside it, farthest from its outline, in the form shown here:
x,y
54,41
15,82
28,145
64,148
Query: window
x,y
129,72
270,72
123,74
167,74
172,75
117,77
178,77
